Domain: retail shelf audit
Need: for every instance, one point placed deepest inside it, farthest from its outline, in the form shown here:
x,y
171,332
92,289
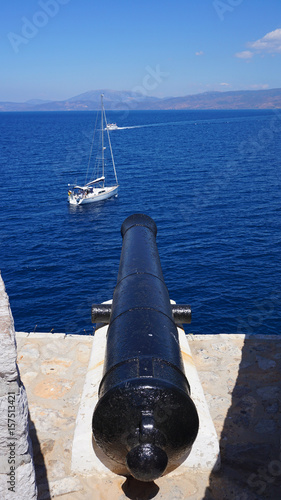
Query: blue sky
x,y
55,49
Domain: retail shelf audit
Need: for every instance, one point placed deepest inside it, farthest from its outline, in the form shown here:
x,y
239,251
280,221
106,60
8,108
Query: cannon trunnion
x,y
145,419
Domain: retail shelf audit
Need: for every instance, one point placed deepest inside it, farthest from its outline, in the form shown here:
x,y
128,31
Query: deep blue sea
x,y
211,181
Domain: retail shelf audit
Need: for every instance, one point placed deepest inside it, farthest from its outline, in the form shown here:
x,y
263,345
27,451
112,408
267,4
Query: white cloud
x,y
270,43
224,84
246,54
259,86
200,53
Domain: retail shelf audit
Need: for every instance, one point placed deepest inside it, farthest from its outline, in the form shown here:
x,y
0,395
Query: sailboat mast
x,y
109,142
102,139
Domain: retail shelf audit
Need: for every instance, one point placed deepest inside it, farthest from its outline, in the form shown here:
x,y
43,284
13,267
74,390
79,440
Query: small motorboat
x,y
112,126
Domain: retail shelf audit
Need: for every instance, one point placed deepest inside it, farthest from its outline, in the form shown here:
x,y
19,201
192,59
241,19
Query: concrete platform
x,y
240,377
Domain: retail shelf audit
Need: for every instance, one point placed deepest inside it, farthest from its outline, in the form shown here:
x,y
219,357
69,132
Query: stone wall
x,y
17,476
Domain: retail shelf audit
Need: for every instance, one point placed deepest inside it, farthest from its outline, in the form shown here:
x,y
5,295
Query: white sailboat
x,y
96,189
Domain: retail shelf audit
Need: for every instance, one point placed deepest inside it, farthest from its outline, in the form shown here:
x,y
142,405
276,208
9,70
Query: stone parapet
x,y
17,475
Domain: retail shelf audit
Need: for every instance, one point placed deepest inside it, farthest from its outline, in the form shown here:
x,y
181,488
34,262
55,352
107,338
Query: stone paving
x,y
53,369
240,376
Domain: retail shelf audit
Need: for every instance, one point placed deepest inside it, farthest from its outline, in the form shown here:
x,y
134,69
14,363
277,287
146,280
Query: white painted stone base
x,y
204,455
84,460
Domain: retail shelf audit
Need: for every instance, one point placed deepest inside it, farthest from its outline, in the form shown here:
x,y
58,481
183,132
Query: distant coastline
x,y
126,100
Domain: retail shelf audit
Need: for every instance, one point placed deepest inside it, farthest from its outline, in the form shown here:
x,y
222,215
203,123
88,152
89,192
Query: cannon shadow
x,y
39,465
251,434
140,490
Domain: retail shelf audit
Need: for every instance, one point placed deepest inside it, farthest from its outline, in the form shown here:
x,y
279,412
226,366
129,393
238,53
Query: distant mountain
x,y
37,101
113,96
126,100
239,99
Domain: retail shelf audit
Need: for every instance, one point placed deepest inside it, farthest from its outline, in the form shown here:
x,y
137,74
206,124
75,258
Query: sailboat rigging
x,y
96,189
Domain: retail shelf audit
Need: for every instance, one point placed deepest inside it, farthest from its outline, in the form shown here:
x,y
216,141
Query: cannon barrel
x,y
145,419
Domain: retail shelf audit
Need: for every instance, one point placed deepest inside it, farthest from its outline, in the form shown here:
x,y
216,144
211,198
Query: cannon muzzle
x,y
145,419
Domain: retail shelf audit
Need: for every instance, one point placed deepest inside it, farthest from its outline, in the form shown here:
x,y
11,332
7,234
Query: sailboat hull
x,y
93,197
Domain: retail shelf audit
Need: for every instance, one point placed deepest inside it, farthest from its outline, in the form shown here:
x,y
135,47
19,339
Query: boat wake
x,y
134,126
147,125
180,123
163,124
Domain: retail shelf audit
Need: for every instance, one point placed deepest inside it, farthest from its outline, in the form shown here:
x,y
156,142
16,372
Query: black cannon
x,y
145,419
